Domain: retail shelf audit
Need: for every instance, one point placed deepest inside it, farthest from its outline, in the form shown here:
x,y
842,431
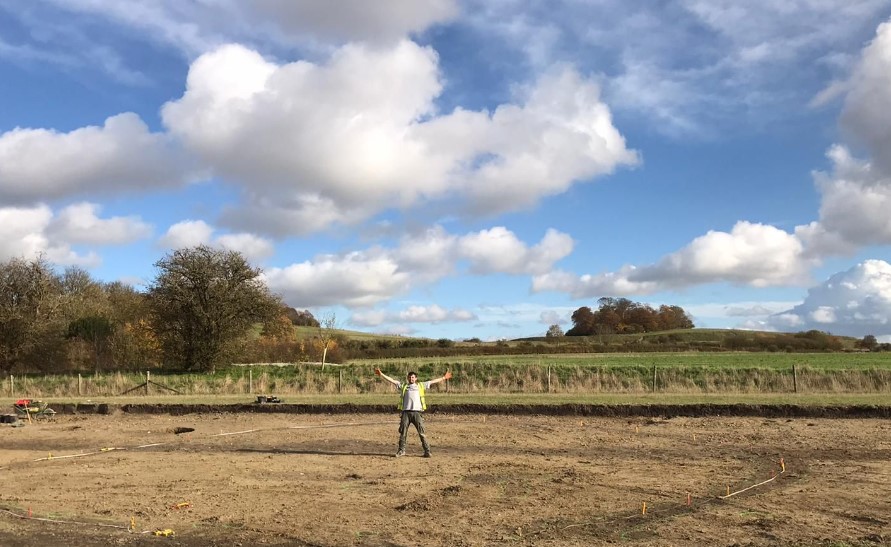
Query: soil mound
x,y
575,409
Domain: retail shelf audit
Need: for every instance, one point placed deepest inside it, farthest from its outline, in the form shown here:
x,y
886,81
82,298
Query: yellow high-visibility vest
x,y
420,391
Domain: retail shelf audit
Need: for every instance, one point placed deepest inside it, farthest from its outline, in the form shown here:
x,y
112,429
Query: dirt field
x,y
331,480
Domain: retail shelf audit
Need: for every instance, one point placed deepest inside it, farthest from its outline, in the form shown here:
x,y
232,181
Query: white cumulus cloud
x,y
867,109
855,200
120,156
751,254
80,223
855,302
413,314
25,233
365,278
337,142
190,233
353,280
499,250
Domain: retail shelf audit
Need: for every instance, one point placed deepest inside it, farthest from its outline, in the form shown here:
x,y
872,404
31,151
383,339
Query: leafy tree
x,y
622,316
554,331
869,342
583,322
203,300
673,317
301,318
279,327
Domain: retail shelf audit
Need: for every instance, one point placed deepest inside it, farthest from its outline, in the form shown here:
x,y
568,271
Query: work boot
x,y
400,453
427,454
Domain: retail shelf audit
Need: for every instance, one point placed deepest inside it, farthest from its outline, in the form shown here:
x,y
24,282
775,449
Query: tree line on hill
x,y
623,316
208,307
200,311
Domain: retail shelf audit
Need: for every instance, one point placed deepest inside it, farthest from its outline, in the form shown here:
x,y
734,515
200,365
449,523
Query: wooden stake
x,y
250,381
80,390
689,499
794,379
654,378
782,465
643,509
549,378
148,379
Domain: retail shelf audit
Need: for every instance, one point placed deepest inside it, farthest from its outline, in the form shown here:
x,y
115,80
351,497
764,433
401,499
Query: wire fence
x,y
468,378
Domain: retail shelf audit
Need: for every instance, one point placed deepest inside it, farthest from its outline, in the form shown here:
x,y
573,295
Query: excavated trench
x,y
631,410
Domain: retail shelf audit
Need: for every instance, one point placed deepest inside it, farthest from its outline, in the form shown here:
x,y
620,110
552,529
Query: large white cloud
x,y
365,278
855,200
499,250
32,231
856,193
751,254
867,108
855,302
80,223
189,233
559,132
120,156
313,144
413,314
351,280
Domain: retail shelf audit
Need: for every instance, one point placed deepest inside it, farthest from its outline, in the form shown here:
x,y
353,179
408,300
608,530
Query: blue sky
x,y
464,169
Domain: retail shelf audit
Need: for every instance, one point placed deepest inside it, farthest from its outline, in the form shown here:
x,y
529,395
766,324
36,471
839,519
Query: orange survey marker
x,y
181,505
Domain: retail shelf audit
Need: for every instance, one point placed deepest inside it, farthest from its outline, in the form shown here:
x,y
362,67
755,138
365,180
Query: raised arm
x,y
385,377
445,376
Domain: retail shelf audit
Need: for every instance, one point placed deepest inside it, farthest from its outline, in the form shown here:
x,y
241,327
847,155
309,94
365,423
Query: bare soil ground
x,y
330,480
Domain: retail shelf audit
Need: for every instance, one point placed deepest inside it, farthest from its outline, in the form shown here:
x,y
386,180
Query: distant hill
x,y
714,339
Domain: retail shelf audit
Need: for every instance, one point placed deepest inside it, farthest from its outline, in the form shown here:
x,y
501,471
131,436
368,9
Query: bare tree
x,y
327,334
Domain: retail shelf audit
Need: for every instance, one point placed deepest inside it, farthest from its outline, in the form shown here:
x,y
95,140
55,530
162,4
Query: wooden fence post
x,y
80,390
250,381
549,378
654,378
794,379
339,380
148,379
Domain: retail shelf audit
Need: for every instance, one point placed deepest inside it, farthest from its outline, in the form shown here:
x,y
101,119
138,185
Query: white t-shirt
x,y
412,398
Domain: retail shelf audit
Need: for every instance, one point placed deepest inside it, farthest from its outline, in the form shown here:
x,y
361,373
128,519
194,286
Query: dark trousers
x,y
411,417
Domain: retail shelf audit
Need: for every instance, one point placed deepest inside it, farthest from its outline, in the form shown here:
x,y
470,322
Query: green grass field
x,y
717,360
568,375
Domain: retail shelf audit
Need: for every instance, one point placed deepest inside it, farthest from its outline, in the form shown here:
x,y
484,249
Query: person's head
x,y
412,378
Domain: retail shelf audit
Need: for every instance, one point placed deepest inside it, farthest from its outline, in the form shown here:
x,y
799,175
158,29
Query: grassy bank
x,y
569,375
